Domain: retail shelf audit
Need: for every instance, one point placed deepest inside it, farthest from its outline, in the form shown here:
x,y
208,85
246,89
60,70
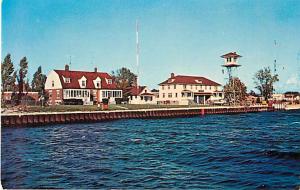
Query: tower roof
x,y
231,54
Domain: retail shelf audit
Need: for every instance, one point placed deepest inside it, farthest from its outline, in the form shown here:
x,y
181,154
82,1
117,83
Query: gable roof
x,y
182,79
231,54
90,76
133,90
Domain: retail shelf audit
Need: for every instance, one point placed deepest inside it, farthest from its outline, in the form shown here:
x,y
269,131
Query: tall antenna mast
x,y
298,64
275,59
70,61
137,53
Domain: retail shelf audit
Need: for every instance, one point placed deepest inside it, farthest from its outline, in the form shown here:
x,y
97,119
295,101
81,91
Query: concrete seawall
x,y
40,119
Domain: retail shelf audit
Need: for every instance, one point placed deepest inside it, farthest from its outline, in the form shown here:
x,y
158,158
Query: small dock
x,y
48,118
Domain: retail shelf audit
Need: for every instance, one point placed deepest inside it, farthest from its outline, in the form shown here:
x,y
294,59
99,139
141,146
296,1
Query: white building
x,y
185,90
80,87
140,95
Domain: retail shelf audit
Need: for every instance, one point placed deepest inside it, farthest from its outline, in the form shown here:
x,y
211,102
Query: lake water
x,y
242,151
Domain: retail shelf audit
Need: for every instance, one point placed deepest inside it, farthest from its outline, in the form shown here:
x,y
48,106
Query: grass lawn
x,y
66,108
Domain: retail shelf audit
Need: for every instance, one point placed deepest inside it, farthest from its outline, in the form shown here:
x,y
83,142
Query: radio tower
x,y
298,63
230,64
137,55
275,58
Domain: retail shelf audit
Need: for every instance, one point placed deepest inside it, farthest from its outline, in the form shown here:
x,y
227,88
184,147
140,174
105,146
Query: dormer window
x,y
53,83
109,81
82,82
198,81
98,84
67,80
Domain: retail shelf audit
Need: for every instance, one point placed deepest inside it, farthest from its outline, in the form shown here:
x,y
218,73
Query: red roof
x,y
181,79
147,94
90,76
231,54
133,90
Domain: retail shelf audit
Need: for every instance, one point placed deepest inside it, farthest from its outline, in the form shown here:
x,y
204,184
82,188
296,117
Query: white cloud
x,y
293,80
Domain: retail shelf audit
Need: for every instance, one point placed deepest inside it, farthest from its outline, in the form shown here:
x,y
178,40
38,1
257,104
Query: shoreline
x,y
49,118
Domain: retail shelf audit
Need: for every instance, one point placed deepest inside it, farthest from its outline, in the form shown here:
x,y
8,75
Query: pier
x,y
45,118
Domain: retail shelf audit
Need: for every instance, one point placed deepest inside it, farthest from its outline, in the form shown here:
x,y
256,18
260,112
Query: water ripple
x,y
241,151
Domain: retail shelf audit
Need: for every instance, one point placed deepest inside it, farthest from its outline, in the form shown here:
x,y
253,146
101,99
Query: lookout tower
x,y
230,62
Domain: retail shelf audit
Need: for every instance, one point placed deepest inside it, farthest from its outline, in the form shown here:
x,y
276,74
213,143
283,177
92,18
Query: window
x,y
184,86
176,95
53,83
98,84
209,87
163,95
168,86
109,81
162,87
169,95
67,80
83,83
174,86
142,97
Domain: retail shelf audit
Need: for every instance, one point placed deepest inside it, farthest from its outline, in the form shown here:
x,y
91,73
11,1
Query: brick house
x,y
80,87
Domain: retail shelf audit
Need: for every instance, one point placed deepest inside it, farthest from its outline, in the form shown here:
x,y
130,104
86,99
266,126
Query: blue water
x,y
243,151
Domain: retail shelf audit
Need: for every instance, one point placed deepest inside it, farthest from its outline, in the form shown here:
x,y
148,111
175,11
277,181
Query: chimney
x,y
172,75
66,67
95,70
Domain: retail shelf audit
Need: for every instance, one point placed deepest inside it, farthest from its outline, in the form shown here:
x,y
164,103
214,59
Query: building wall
x,y
173,93
111,94
53,81
54,88
55,96
6,96
140,100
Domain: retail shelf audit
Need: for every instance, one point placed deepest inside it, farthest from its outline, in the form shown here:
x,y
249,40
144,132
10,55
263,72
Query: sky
x,y
184,37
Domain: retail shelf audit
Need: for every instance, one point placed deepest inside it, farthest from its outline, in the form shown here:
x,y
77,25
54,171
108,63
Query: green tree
x,y
235,91
124,78
38,81
21,77
8,77
264,81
